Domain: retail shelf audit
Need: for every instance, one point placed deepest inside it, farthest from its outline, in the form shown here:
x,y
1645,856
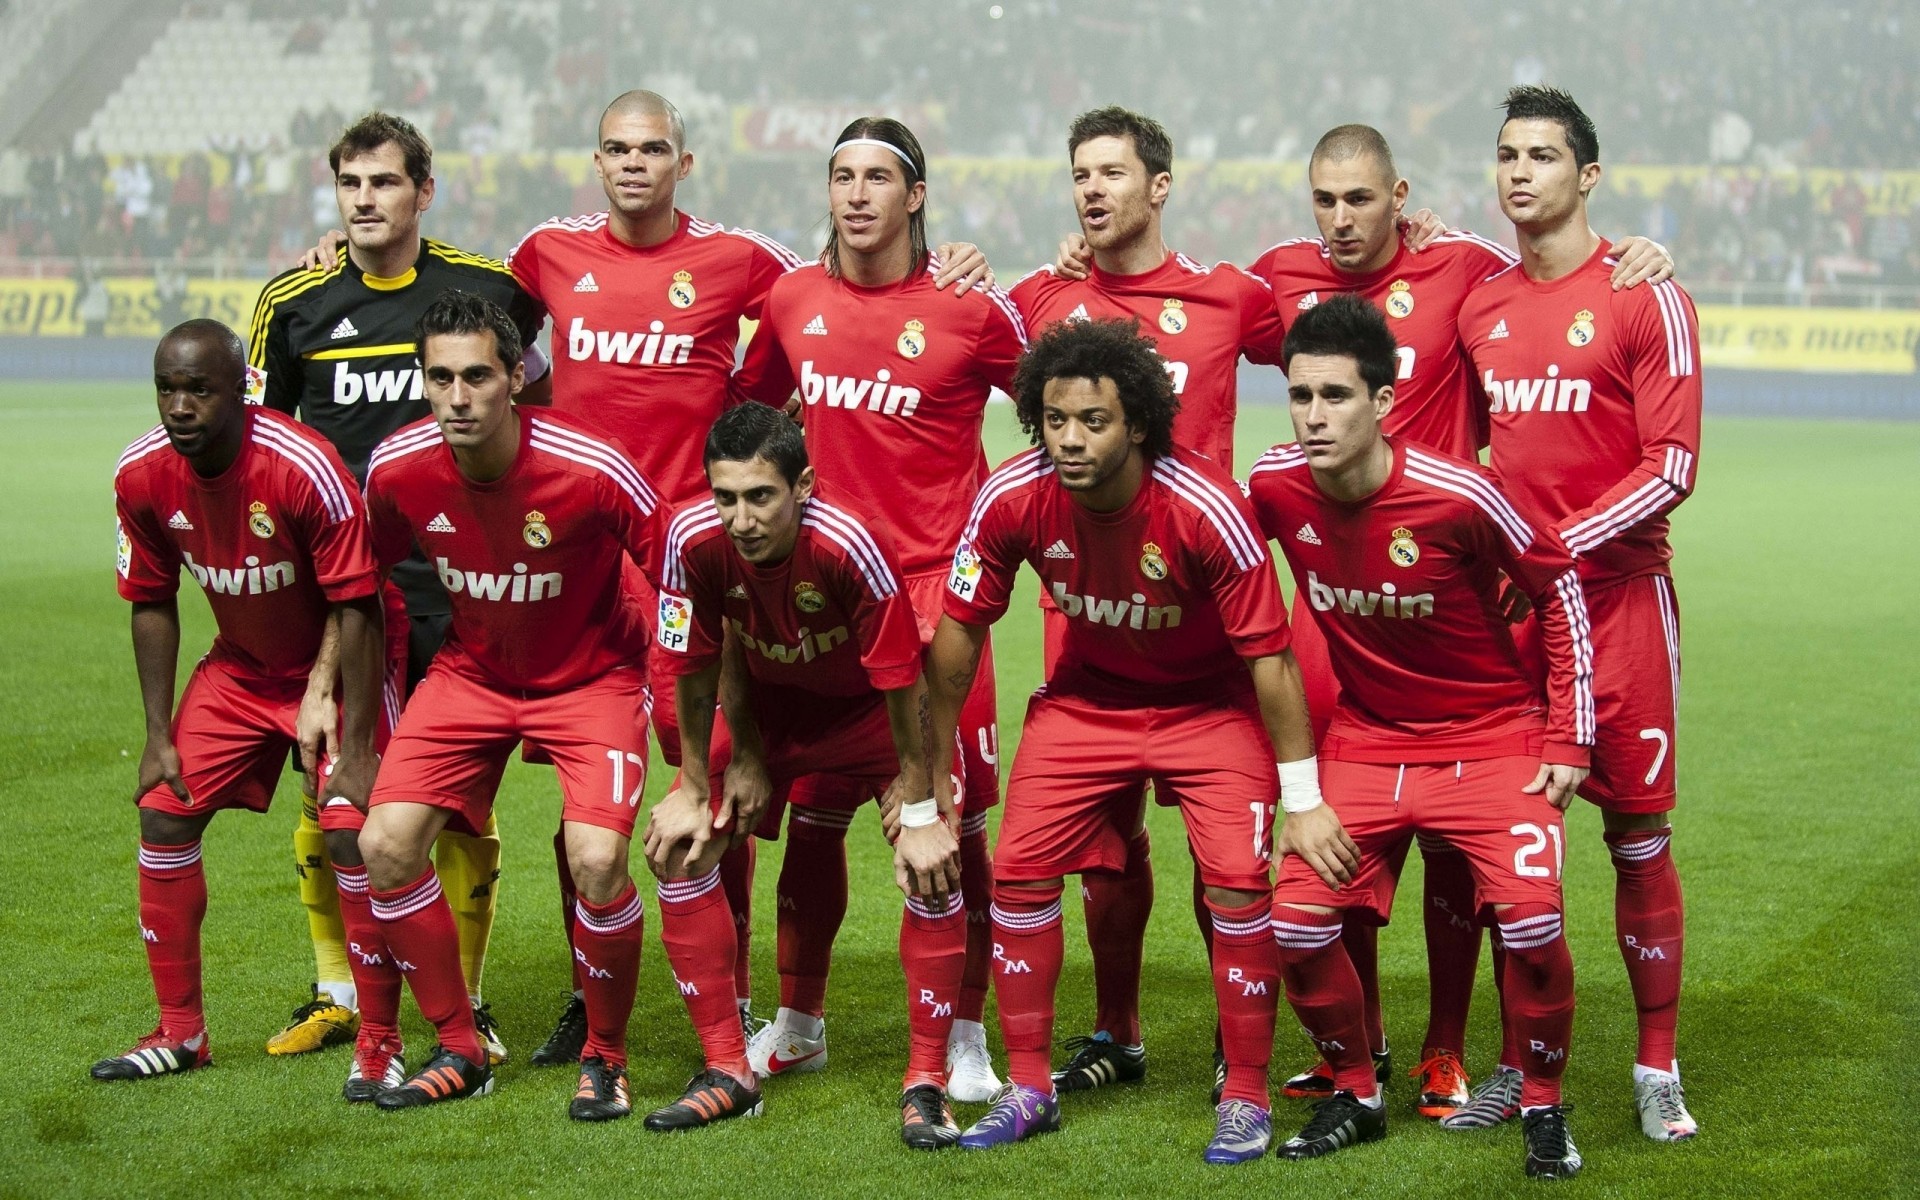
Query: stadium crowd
x,y
509,99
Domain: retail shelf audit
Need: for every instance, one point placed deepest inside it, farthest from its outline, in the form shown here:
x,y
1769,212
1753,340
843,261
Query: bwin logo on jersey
x,y
1552,394
653,348
250,580
1133,612
807,645
517,588
1385,602
878,394
351,387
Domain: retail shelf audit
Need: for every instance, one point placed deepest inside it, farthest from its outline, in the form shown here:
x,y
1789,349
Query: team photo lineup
x,y
740,512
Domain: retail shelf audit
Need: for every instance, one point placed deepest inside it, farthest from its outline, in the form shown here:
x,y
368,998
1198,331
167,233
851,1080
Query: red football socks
x,y
1650,920
933,954
976,880
736,876
567,898
1539,997
1453,948
173,903
606,945
375,977
697,925
1246,987
1325,994
1027,948
813,903
1361,938
1117,907
420,932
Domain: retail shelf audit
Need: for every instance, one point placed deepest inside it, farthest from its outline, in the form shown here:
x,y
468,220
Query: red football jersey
x,y
531,561
1595,403
1435,400
894,383
1163,598
275,539
644,337
1405,585
1202,319
834,618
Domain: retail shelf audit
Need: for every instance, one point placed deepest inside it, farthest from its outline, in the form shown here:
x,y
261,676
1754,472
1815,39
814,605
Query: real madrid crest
x,y
258,520
536,533
1581,331
1151,564
913,340
807,598
1173,316
1402,549
1400,298
680,292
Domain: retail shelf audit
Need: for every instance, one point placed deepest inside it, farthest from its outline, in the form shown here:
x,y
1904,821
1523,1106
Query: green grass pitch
x,y
1797,837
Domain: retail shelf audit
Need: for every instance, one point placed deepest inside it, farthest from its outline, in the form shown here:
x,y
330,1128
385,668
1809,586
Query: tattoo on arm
x,y
962,679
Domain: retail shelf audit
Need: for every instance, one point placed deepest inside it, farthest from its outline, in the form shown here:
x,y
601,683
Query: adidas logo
x,y
1308,536
737,592
586,284
1308,301
1059,549
344,329
179,520
440,524
1079,313
817,326
1499,331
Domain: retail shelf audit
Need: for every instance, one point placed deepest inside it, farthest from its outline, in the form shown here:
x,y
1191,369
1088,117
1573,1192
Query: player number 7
x,y
1660,756
620,761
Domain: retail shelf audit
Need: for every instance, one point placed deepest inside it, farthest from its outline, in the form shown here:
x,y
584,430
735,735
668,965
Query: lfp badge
x,y
965,579
676,619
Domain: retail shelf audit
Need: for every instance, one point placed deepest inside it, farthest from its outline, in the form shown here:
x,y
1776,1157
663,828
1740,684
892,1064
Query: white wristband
x,y
919,813
1300,785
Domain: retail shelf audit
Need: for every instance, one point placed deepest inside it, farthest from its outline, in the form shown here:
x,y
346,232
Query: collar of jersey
x,y
1096,275
389,283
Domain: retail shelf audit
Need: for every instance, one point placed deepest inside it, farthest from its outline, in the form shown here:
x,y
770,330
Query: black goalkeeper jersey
x,y
335,348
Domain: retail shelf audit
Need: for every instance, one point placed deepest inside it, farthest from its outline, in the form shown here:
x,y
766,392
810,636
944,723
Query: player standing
x,y
647,303
893,381
1439,732
1595,400
1173,668
1202,320
265,516
335,345
525,518
826,682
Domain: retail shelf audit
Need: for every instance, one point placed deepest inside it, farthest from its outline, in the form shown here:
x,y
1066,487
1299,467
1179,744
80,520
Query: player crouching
x,y
1174,667
263,513
1437,731
820,675
526,518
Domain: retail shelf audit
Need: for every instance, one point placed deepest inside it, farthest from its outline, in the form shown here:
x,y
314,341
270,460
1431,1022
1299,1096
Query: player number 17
x,y
620,793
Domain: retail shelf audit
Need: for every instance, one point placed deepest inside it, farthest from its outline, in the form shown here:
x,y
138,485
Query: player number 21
x,y
620,793
1537,842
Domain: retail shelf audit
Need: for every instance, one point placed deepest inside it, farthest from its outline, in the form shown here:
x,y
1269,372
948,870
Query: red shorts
x,y
457,732
823,752
234,737
1514,842
1636,692
1074,793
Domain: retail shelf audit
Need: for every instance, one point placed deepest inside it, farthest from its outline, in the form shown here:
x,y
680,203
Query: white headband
x,y
866,141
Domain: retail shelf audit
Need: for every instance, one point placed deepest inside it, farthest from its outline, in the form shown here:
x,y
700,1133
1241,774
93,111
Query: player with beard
x,y
1595,398
893,382
332,341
